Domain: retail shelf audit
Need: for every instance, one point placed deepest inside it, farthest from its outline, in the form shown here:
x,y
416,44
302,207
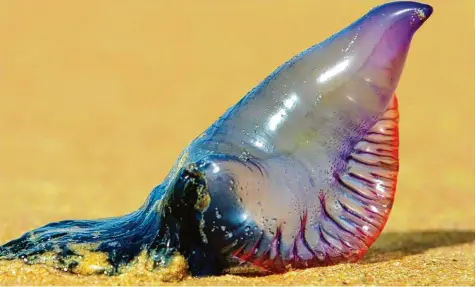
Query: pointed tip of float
x,y
425,12
416,13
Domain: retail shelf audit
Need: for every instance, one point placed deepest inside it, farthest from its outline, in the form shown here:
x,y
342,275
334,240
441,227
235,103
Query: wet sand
x,y
98,99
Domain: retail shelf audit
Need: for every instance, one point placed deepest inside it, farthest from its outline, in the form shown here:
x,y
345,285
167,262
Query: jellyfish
x,y
300,173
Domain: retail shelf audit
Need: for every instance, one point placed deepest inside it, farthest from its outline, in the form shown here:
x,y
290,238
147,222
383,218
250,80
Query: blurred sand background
x,y
98,98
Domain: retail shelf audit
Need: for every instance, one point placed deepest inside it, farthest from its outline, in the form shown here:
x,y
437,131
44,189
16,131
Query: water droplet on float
x,y
223,228
217,213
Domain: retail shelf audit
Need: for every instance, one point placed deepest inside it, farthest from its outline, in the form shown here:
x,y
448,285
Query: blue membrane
x,y
301,172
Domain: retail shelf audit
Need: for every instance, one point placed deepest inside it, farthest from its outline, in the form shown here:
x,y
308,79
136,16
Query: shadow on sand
x,y
394,245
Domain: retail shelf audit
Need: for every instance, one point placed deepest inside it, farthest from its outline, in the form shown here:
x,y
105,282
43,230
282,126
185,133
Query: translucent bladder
x,y
300,173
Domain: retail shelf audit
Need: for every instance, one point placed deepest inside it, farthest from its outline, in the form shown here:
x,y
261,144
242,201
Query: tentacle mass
x,y
301,172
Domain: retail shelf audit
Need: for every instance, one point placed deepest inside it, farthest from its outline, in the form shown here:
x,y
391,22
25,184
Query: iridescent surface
x,y
301,172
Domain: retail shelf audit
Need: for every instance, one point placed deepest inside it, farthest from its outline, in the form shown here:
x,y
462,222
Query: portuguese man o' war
x,y
299,173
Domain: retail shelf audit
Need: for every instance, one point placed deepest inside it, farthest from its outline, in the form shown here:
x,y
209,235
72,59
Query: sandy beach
x,y
99,98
